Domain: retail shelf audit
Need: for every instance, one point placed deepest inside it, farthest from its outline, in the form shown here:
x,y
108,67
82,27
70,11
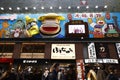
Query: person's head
x,y
56,66
111,69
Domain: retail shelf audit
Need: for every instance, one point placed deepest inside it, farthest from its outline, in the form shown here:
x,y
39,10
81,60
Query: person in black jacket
x,y
53,74
111,75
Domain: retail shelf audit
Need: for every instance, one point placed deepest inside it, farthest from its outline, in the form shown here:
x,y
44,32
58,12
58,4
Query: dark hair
x,y
111,68
56,65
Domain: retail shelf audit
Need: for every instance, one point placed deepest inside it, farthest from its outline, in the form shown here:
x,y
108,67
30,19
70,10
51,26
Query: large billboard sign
x,y
60,25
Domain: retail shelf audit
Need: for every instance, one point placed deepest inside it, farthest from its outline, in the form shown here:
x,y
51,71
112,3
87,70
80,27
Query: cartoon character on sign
x,y
32,29
97,32
4,32
100,22
111,30
17,29
50,25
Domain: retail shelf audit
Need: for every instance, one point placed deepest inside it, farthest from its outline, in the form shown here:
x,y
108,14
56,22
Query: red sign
x,y
6,60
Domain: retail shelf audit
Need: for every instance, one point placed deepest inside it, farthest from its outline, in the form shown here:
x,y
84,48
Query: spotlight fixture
x,y
87,7
105,6
42,7
18,8
2,8
60,7
96,6
78,7
26,8
34,8
69,7
51,7
10,8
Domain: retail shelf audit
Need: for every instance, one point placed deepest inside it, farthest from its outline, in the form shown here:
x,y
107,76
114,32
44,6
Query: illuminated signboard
x,y
52,25
6,50
91,51
32,50
63,51
118,49
76,29
101,61
29,61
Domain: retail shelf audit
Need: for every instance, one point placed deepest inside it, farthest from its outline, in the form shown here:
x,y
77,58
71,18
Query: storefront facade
x,y
80,35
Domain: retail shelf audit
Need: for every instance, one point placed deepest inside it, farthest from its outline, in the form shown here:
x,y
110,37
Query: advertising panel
x,y
54,25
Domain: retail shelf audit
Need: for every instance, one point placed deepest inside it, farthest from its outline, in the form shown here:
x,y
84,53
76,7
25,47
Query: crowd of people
x,y
52,73
57,73
100,73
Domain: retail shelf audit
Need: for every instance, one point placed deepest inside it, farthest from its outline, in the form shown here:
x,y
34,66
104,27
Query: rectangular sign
x,y
91,51
118,49
101,61
63,51
6,55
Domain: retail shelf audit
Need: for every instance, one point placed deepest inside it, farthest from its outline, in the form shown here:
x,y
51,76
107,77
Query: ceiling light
x,y
18,8
60,7
42,7
78,7
34,8
87,7
2,8
10,8
96,6
69,7
51,7
105,6
26,8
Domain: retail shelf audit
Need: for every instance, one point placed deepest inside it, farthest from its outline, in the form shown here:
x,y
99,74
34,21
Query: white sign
x,y
63,51
118,49
90,60
110,61
29,61
101,61
91,51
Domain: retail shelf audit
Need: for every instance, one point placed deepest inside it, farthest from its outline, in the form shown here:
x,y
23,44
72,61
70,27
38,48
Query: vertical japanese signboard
x,y
91,51
63,51
80,70
118,49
